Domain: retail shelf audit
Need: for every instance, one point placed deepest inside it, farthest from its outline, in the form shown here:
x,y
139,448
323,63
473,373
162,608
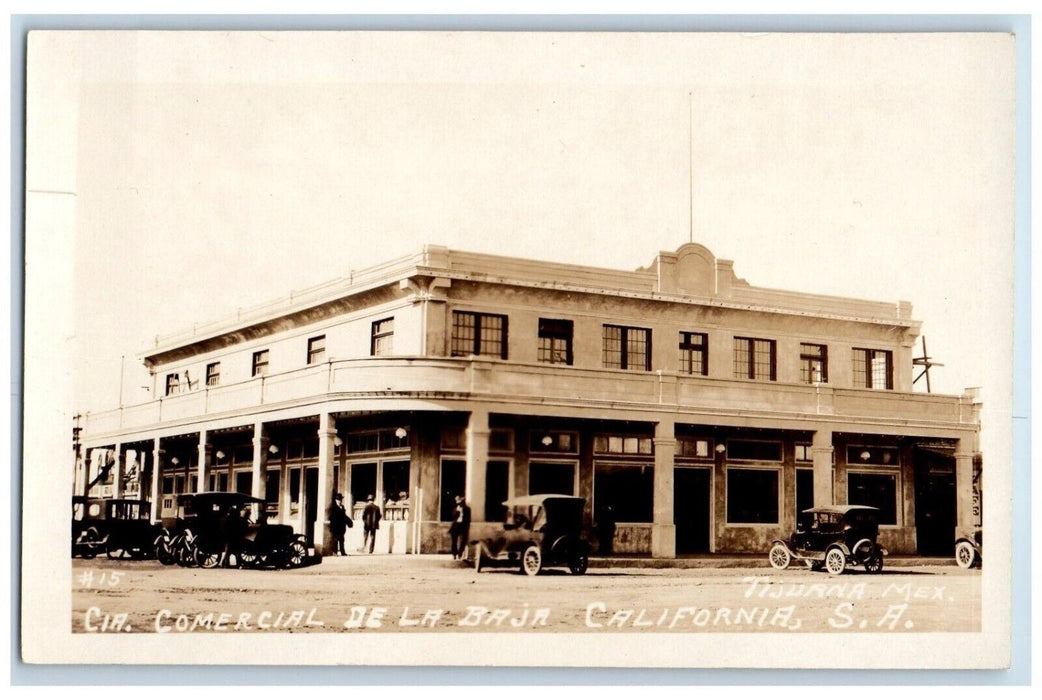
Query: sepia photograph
x,y
577,349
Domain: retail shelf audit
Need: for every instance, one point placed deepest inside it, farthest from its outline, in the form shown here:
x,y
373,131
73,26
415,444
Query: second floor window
x,y
555,341
754,358
814,363
173,384
479,334
627,348
873,369
693,353
260,363
316,349
213,374
383,337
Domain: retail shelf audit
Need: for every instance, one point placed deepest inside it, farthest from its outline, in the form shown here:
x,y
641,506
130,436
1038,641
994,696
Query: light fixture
x,y
220,454
337,441
547,441
175,461
721,448
400,433
865,456
274,449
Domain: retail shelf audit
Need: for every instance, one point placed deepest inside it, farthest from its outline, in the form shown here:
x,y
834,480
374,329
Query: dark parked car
x,y
231,527
831,537
969,544
541,531
120,527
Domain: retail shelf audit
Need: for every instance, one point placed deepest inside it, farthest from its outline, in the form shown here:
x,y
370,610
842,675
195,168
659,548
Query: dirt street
x,y
420,594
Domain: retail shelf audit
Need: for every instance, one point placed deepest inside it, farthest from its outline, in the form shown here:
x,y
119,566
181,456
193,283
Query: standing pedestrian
x,y
339,521
459,531
370,523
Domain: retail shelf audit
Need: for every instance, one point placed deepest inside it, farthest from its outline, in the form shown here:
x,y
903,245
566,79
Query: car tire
x,y
965,554
296,554
780,557
90,543
578,563
874,562
835,561
531,560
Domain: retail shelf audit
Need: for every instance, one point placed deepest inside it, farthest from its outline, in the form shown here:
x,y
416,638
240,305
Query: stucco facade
x,y
703,410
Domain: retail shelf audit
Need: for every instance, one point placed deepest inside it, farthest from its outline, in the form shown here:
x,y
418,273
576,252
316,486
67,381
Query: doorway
x,y
691,509
935,503
310,503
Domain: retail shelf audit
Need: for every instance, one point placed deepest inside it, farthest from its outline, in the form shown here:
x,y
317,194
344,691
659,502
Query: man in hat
x,y
459,531
339,521
370,523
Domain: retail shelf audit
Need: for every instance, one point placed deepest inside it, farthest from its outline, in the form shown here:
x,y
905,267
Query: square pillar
x,y
117,471
821,451
205,457
663,529
964,515
157,477
260,461
326,485
477,463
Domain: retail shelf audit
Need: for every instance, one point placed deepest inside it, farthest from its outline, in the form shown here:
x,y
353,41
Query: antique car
x,y
833,537
232,527
540,531
120,527
969,544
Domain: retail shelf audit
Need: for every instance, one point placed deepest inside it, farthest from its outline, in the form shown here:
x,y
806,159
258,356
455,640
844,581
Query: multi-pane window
x,y
316,349
479,334
555,341
173,384
754,358
814,363
873,369
260,363
694,353
213,374
383,337
627,348
623,445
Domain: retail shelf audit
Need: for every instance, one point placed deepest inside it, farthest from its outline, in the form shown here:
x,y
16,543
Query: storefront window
x,y
752,496
551,477
629,490
876,490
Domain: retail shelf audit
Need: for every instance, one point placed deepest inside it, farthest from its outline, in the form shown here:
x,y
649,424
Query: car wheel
x,y
247,559
477,558
206,555
164,552
296,555
531,560
874,562
965,555
90,543
780,557
578,563
835,561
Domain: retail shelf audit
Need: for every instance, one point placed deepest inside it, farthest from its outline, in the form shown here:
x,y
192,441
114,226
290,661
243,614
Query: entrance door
x,y
935,503
691,499
497,488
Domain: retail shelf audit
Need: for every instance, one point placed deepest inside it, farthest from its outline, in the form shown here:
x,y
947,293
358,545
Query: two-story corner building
x,y
705,411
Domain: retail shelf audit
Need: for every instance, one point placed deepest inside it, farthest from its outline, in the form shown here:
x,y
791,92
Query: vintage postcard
x,y
518,348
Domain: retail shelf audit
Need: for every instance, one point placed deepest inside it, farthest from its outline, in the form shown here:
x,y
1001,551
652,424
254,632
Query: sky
x,y
181,176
